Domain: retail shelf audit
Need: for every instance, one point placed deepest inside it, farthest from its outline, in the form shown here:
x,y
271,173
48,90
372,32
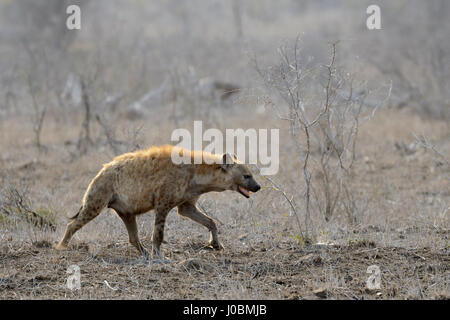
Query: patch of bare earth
x,y
37,271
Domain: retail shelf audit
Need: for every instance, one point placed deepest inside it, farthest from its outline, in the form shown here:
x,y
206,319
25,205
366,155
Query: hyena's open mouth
x,y
244,192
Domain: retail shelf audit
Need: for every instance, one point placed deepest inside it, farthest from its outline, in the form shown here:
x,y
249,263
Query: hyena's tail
x,y
75,216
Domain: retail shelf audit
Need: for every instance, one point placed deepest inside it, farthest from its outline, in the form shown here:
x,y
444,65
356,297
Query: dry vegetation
x,y
364,173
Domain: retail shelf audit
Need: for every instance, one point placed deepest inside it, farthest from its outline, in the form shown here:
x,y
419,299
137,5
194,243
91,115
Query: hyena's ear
x,y
227,161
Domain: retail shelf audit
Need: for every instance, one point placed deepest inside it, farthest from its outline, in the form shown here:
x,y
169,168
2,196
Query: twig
x,y
422,141
107,284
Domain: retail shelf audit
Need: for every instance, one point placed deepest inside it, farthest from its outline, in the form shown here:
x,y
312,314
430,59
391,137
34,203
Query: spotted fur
x,y
135,183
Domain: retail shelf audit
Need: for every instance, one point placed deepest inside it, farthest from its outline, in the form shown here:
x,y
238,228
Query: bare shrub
x,y
130,142
39,86
16,205
38,116
184,95
325,107
440,157
84,140
421,77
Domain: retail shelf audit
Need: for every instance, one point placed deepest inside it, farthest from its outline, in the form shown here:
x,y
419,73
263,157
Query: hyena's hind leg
x,y
131,225
86,214
96,198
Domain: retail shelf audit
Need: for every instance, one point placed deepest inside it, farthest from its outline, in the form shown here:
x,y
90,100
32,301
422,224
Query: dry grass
x,y
403,227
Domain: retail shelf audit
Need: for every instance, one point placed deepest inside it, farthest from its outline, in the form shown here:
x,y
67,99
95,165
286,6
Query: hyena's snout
x,y
249,187
254,187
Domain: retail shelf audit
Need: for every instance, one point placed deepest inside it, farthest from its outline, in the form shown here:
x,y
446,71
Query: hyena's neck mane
x,y
207,178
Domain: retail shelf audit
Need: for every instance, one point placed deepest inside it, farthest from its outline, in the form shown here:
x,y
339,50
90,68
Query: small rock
x,y
309,257
242,237
321,293
317,261
370,291
195,265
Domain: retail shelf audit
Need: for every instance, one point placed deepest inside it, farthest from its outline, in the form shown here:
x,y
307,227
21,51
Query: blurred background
x,y
127,50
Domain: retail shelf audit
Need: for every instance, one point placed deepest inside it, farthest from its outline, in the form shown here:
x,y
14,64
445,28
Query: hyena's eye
x,y
246,176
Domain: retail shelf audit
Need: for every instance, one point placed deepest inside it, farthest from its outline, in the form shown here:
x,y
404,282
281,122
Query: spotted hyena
x,y
137,182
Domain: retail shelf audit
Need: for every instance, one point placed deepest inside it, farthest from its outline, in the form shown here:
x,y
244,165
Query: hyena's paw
x,y
144,253
156,254
158,258
215,245
60,247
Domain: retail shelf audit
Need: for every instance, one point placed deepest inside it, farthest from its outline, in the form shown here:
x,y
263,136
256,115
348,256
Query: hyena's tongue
x,y
244,191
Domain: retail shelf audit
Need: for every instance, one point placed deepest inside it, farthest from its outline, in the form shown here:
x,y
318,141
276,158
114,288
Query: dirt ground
x,y
283,272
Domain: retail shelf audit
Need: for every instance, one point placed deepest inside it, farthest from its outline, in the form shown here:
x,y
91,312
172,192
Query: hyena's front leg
x,y
190,211
158,231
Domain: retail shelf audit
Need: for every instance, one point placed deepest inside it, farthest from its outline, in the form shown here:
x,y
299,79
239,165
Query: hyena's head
x,y
237,176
